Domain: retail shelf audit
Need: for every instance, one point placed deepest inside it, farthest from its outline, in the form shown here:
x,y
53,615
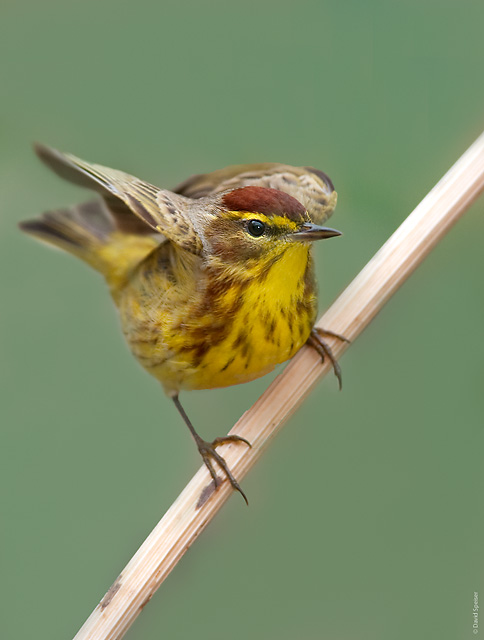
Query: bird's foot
x,y
209,454
316,340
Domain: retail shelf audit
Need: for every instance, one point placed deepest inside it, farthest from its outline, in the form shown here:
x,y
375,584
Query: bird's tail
x,y
90,232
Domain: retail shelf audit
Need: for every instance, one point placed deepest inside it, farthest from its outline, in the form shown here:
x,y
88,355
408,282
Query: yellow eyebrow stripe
x,y
280,222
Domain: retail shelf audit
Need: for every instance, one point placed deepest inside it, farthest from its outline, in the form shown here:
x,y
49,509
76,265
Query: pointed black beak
x,y
311,231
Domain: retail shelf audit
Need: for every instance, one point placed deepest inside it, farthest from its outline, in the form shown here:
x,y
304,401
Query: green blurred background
x,y
365,518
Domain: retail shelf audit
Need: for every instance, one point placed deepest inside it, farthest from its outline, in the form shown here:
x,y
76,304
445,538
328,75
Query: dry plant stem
x,y
349,315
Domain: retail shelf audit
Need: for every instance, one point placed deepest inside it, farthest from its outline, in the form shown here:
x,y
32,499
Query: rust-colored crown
x,y
263,200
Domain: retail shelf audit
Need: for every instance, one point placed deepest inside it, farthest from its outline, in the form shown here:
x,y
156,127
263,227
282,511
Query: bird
x,y
213,280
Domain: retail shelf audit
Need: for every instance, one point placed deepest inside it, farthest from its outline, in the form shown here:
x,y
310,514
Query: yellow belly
x,y
251,349
256,343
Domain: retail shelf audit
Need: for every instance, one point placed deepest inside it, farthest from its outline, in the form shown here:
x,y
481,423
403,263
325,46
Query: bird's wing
x,y
162,211
311,187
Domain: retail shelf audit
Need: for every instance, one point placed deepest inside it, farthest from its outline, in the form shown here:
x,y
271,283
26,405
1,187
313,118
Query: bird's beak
x,y
309,232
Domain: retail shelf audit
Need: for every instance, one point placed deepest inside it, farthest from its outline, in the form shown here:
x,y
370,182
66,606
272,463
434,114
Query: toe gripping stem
x,y
208,451
316,340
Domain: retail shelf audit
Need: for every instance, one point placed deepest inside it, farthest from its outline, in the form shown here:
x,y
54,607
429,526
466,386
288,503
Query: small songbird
x,y
214,281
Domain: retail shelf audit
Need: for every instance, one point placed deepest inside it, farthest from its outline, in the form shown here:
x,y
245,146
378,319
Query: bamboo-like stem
x,y
349,315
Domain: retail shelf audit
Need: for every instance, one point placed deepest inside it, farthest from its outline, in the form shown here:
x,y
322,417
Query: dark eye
x,y
256,228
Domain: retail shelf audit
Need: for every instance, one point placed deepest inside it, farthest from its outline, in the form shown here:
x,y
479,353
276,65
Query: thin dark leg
x,y
208,450
316,341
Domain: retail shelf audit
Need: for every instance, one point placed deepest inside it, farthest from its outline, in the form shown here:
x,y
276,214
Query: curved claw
x,y
208,452
229,439
331,334
316,341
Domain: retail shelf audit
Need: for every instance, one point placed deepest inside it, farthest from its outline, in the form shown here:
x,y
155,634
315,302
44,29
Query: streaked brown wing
x,y
161,210
313,188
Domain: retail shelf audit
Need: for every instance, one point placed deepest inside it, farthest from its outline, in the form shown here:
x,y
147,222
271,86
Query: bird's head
x,y
256,226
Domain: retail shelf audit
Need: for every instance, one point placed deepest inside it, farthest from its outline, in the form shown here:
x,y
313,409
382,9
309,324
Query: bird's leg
x,y
208,450
316,340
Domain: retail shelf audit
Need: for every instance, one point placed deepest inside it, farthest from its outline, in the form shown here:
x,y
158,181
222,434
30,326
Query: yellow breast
x,y
273,321
216,334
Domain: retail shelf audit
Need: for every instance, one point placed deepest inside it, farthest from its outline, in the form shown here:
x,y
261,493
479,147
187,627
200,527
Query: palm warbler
x,y
213,281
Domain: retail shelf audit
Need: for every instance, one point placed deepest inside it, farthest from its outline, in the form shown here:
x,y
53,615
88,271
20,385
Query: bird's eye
x,y
256,228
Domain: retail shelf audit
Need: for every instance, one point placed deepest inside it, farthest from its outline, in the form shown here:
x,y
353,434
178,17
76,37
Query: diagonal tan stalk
x,y
349,315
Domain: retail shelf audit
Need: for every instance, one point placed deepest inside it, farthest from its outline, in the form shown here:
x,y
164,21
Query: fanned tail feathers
x,y
97,234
